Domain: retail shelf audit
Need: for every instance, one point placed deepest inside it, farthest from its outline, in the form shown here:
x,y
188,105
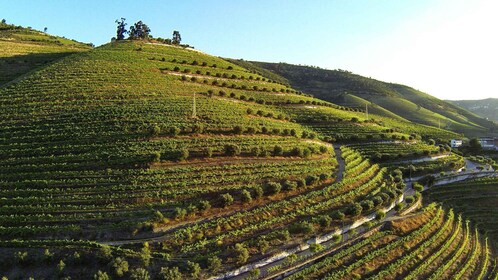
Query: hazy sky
x,y
445,48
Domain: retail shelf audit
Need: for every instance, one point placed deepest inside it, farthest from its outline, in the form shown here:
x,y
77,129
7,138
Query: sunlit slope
x,y
401,100
428,245
23,50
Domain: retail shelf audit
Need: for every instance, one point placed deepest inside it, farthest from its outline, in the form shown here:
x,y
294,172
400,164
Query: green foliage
x,y
170,273
139,274
119,266
214,264
273,188
101,276
226,199
193,269
246,196
315,248
241,254
232,150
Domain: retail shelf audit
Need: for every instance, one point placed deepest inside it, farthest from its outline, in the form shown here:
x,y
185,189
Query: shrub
x,y
355,209
204,205
324,221
315,248
297,151
174,131
241,253
179,213
289,185
278,150
119,266
338,215
311,180
208,152
418,187
323,149
273,188
232,150
226,199
238,129
101,276
172,273
139,274
258,192
262,245
306,153
182,154
194,269
214,264
380,215
249,111
246,196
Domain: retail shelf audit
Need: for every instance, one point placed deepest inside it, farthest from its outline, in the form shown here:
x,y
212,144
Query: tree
x,y
241,253
139,30
121,30
101,276
172,273
4,21
45,30
139,274
177,38
232,150
226,199
246,196
214,264
263,245
119,266
145,254
193,269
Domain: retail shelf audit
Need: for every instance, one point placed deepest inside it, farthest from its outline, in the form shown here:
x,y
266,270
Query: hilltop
x,y
486,108
25,49
392,100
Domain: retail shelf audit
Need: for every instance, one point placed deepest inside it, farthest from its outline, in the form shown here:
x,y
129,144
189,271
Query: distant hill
x,y
486,108
341,87
24,49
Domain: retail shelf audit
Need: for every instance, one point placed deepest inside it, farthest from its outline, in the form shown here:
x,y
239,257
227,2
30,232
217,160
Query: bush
x,y
214,264
380,215
302,227
182,154
194,269
174,131
418,187
324,221
355,209
139,274
238,129
311,180
101,276
297,151
315,248
172,273
246,196
226,199
119,266
289,185
258,192
208,152
278,150
273,188
262,245
409,199
241,253
338,215
232,150
179,213
204,205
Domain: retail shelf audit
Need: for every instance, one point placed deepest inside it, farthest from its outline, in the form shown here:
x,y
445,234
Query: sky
x,y
447,48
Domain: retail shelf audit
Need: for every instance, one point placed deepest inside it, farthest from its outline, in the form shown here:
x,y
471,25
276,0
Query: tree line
x,y
140,30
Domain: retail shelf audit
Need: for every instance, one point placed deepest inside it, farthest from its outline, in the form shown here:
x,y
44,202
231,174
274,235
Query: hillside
x,y
138,157
486,108
338,86
25,49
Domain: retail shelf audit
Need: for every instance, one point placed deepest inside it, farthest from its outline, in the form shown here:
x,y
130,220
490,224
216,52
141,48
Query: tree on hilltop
x,y
121,29
177,38
139,30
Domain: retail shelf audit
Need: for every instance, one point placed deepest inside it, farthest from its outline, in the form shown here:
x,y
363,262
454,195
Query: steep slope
x,y
23,50
401,100
486,108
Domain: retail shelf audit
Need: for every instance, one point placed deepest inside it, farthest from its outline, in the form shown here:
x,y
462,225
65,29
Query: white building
x,y
487,143
455,143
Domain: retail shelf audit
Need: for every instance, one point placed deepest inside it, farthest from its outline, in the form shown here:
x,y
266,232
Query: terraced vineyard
x,y
475,199
167,160
429,245
24,49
